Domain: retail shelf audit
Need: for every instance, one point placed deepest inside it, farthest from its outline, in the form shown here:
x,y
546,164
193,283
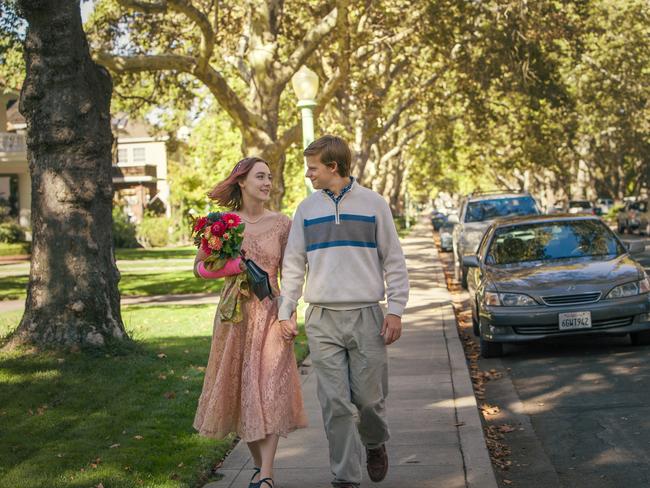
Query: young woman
x,y
251,384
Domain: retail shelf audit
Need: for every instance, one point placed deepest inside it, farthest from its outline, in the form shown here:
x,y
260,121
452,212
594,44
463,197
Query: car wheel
x,y
490,349
463,277
640,338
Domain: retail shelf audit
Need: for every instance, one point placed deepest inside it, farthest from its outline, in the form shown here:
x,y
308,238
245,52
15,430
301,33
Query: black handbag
x,y
258,279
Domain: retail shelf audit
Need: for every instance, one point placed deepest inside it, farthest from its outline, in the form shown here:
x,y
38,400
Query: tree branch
x,y
135,64
190,11
308,45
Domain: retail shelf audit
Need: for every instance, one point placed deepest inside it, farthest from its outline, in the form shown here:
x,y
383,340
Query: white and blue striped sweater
x,y
349,252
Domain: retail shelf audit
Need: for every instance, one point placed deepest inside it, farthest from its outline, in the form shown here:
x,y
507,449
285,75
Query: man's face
x,y
321,176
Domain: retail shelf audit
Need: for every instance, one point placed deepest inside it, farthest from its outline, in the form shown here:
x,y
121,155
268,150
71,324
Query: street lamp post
x,y
305,86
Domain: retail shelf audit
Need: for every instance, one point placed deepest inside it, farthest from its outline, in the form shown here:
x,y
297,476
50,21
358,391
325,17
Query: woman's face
x,y
257,184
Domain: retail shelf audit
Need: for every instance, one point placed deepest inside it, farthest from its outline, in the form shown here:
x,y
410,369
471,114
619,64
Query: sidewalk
x,y
436,434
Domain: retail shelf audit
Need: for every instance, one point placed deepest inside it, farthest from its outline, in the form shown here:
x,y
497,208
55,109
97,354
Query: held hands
x,y
392,328
289,328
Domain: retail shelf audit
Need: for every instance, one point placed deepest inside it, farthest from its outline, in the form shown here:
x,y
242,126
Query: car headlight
x,y
630,289
508,299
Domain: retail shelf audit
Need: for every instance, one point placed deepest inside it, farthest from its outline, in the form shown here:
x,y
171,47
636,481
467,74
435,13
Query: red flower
x,y
200,223
232,220
218,228
205,246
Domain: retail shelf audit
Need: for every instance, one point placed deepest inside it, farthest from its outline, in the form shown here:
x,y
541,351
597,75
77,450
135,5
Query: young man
x,y
345,237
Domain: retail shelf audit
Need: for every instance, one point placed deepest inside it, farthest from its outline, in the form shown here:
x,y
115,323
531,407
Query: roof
x,y
472,197
541,219
15,120
121,124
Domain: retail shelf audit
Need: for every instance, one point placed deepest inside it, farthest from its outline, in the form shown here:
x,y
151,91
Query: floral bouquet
x,y
219,235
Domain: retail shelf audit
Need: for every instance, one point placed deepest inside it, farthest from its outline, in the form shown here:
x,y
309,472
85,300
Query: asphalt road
x,y
577,412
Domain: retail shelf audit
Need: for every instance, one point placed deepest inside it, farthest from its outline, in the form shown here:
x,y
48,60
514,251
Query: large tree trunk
x,y
72,297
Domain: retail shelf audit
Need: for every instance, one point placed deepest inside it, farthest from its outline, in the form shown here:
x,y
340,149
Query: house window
x,y
122,156
139,155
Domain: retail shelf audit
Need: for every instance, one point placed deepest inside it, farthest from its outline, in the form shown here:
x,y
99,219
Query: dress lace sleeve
x,y
284,237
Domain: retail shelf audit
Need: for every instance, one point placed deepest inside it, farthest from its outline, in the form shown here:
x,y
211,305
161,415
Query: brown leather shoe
x,y
377,463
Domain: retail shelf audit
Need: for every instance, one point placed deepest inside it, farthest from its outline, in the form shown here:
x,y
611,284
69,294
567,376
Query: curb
x,y
476,459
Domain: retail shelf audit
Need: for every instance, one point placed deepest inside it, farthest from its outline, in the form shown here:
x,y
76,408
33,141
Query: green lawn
x,y
123,419
14,249
184,252
132,283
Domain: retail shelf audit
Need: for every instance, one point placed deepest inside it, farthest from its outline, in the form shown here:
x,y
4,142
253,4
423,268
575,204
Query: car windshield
x,y
500,207
579,204
552,240
640,206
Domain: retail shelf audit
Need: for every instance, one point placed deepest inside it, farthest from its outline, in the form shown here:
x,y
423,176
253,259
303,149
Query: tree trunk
x,y
72,296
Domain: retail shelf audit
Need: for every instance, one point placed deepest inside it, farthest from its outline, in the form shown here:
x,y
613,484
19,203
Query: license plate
x,y
575,320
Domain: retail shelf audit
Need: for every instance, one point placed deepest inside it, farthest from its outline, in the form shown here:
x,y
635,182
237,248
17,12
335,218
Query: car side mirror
x,y
470,261
635,247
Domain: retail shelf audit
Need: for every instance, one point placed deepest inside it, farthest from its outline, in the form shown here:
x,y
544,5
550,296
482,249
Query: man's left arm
x,y
395,273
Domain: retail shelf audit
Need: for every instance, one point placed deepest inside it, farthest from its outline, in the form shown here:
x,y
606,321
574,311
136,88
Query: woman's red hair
x,y
227,193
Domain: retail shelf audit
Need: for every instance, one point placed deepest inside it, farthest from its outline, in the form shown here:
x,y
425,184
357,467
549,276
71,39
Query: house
x,y
15,181
139,168
139,165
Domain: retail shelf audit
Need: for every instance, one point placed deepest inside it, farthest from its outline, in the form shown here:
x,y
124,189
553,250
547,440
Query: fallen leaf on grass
x,y
162,377
101,485
138,437
170,395
113,446
162,355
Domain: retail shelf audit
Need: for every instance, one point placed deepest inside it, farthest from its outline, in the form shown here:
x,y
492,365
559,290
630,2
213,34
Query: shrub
x,y
11,232
155,231
124,231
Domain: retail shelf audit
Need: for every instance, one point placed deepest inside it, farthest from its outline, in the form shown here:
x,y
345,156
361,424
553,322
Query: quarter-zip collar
x,y
337,198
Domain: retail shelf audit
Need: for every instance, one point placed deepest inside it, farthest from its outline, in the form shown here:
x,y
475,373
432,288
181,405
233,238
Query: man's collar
x,y
343,191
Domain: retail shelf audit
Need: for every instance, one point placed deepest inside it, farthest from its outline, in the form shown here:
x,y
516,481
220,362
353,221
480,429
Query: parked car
x,y
446,237
633,216
605,205
437,219
548,276
478,210
581,206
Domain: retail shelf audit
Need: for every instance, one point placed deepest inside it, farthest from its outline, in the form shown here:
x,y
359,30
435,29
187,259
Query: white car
x,y
581,206
478,211
605,204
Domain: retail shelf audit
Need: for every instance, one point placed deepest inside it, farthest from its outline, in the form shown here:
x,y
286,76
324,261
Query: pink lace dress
x,y
252,385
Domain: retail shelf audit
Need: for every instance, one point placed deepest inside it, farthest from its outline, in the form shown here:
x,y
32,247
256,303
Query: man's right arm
x,y
293,268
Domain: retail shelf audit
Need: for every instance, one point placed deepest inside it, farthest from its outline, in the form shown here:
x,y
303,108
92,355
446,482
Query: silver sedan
x,y
548,276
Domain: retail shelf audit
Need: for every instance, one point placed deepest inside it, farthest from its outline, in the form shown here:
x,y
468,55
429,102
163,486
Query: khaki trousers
x,y
350,362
